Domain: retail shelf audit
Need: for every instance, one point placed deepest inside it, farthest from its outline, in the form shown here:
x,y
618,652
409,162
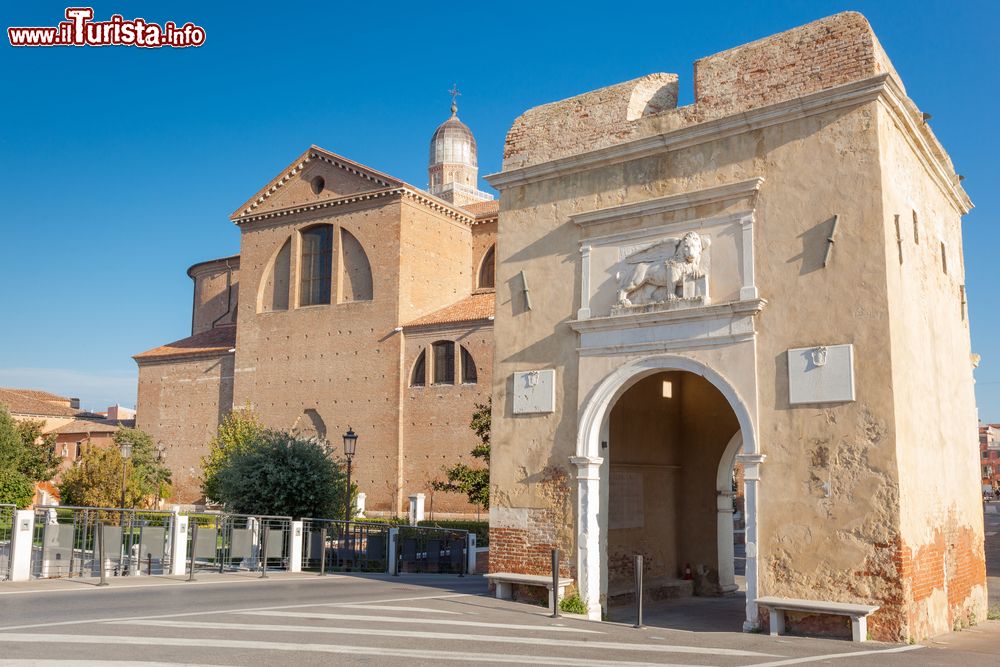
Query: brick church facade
x,y
356,300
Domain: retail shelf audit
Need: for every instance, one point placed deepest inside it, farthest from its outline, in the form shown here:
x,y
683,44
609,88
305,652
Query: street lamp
x,y
125,447
350,445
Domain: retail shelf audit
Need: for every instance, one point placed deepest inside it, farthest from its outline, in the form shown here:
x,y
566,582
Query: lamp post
x,y
350,444
125,447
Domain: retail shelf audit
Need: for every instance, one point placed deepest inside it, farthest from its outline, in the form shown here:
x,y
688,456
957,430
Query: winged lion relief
x,y
670,273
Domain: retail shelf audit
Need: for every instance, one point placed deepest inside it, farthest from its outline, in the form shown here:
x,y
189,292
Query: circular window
x,y
318,184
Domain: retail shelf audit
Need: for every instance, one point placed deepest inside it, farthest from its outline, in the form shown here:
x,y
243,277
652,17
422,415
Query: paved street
x,y
380,620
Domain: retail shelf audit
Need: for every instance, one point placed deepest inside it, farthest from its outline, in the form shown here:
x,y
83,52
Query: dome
x,y
453,143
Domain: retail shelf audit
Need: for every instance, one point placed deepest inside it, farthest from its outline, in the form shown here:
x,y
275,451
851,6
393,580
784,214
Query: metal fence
x,y
348,547
238,542
67,541
424,549
6,541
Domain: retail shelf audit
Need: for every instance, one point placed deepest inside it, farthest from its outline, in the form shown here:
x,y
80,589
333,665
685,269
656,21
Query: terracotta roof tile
x,y
484,209
480,305
23,404
39,394
91,426
219,340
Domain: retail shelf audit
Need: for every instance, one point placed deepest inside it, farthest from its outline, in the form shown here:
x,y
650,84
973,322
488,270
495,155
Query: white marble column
x,y
751,476
584,312
727,573
588,561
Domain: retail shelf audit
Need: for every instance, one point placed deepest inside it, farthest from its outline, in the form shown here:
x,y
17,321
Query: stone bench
x,y
859,613
504,582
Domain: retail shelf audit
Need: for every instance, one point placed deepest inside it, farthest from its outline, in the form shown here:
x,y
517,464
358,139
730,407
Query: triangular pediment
x,y
316,175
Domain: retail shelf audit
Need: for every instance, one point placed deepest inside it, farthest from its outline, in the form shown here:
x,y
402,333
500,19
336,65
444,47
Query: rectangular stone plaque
x,y
534,392
821,374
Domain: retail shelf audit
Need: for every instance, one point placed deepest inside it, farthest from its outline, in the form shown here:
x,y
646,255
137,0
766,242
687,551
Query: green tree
x,y
474,482
277,473
96,479
238,429
26,457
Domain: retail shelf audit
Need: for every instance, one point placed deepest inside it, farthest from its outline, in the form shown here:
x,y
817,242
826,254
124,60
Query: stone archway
x,y
593,472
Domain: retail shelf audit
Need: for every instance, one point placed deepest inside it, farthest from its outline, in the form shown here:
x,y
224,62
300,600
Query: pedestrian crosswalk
x,y
450,629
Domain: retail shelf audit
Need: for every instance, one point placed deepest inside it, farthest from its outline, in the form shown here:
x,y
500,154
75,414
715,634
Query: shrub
x,y
276,473
573,605
15,488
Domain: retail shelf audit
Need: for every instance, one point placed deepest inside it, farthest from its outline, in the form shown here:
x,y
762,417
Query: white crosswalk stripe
x,y
319,615
448,636
421,654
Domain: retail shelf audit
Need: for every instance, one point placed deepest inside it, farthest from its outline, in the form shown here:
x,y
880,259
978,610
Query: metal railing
x,y
238,542
425,549
6,539
66,542
329,545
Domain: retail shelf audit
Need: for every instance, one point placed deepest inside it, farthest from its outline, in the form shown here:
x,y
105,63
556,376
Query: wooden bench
x,y
504,582
859,613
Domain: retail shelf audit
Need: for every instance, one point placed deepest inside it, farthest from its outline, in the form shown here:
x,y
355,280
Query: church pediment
x,y
316,175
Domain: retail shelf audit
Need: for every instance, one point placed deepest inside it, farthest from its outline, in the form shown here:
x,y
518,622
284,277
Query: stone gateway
x,y
816,413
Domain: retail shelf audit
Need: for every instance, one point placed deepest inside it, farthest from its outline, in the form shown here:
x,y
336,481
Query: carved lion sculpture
x,y
657,274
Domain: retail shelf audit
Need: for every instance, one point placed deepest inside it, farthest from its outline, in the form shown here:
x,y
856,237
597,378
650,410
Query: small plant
x,y
573,605
994,613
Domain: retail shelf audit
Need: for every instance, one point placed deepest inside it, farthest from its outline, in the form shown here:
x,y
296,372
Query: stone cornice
x,y
677,202
611,322
924,144
882,86
403,191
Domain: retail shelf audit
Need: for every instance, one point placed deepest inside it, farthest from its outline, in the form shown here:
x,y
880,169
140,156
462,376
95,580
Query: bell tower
x,y
453,168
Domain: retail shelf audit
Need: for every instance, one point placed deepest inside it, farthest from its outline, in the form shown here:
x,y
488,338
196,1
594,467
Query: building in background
x,y
989,456
74,430
357,300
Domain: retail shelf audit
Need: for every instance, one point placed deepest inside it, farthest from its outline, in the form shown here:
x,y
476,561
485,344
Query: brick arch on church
x,y
274,288
355,282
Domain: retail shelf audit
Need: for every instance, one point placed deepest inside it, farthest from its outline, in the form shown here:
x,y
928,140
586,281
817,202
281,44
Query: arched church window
x,y
444,362
469,375
418,378
487,270
316,265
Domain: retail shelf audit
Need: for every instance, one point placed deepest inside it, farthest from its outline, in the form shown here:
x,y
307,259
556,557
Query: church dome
x,y
453,143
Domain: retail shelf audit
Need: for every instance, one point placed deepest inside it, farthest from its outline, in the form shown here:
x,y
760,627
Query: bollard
x,y
638,591
263,552
149,564
100,553
194,543
555,583
322,552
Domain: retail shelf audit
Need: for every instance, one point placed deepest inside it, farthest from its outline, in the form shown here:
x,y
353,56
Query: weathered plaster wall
x,y
941,543
829,501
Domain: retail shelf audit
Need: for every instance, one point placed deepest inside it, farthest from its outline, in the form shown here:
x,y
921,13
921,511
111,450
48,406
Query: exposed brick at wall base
x,y
512,550
812,625
952,563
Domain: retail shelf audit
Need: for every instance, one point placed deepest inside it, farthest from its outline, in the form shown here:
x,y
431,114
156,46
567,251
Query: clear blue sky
x,y
121,165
